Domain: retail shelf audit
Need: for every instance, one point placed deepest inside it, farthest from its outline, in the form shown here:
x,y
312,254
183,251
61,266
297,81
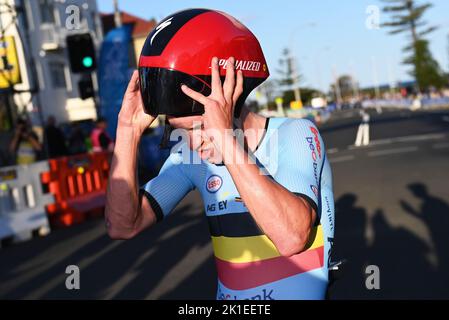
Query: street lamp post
x,y
337,87
117,17
295,77
295,74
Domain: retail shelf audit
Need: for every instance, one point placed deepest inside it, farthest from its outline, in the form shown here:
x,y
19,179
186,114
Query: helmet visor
x,y
162,94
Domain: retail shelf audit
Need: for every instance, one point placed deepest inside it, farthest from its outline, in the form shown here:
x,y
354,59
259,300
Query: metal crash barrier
x,y
78,184
22,202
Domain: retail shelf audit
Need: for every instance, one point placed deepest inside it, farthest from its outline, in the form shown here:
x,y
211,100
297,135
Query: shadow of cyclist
x,y
402,257
434,212
350,244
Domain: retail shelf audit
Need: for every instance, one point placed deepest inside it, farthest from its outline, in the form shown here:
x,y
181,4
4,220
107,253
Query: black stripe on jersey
x,y
240,224
164,36
154,204
312,203
267,121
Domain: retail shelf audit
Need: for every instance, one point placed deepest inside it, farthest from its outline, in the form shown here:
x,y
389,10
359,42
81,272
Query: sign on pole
x,y
9,64
296,105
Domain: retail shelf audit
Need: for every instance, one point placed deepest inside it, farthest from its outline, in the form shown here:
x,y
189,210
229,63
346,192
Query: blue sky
x,y
327,36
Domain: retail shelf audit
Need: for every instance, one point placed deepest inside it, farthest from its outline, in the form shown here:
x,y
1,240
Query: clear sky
x,y
327,36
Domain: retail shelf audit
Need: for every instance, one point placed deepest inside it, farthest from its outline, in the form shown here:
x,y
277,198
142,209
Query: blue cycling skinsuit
x,y
248,264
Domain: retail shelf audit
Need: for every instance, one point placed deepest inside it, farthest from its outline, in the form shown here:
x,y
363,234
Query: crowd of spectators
x,y
25,147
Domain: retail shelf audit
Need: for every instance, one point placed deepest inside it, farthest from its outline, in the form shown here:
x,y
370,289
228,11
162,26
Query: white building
x,y
39,28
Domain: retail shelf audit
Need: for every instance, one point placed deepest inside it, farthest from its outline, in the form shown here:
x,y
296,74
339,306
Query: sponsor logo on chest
x,y
214,183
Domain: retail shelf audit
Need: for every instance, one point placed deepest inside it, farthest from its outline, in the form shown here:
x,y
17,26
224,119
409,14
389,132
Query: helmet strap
x,y
166,136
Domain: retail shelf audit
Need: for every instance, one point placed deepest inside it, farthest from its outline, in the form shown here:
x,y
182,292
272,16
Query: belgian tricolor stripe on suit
x,y
247,258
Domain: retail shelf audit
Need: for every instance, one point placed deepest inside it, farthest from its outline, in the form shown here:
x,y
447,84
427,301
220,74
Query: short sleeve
x,y
169,187
327,200
300,159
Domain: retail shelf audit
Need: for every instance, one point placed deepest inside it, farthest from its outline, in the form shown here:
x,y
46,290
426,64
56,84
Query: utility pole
x,y
318,71
337,87
355,89
376,84
22,20
295,77
375,80
117,17
295,73
391,78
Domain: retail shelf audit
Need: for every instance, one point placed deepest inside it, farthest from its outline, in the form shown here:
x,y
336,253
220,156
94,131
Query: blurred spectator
x,y
25,144
77,140
99,137
55,139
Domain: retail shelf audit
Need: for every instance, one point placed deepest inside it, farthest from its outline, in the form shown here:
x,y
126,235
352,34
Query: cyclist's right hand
x,y
132,113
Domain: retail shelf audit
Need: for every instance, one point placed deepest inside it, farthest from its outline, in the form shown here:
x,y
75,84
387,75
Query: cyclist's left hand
x,y
219,105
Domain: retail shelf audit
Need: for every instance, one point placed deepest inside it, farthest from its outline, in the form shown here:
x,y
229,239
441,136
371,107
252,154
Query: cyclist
x,y
267,192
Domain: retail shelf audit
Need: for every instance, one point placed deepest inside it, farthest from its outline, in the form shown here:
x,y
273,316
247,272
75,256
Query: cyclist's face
x,y
198,139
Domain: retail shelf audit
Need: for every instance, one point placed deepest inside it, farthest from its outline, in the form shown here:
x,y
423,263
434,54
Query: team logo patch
x,y
314,189
317,141
214,183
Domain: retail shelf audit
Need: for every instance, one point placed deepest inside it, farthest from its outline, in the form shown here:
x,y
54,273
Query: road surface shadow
x,y
406,271
434,213
350,244
131,269
174,260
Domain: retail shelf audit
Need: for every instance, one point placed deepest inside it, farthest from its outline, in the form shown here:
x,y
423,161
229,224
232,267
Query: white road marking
x,y
391,151
442,145
341,159
366,134
420,137
362,137
332,150
358,137
378,109
379,142
423,137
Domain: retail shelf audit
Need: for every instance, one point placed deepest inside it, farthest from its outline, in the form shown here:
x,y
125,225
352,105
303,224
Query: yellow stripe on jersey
x,y
255,248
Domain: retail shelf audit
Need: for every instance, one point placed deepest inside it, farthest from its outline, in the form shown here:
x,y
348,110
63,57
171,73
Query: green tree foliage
x,y
347,87
407,17
288,76
426,68
289,79
307,94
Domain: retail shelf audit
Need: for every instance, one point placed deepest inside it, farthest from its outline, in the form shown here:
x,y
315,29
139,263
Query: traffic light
x,y
86,87
81,52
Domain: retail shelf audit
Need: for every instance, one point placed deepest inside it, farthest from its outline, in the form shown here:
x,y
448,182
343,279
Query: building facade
x,y
47,86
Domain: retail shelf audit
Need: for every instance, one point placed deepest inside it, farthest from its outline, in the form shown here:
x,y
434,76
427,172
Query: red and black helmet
x,y
179,51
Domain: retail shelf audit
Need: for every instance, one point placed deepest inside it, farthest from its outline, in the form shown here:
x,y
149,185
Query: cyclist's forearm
x,y
122,200
285,218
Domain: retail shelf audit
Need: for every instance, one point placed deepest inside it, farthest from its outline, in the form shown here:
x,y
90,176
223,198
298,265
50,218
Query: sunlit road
x,y
392,204
392,200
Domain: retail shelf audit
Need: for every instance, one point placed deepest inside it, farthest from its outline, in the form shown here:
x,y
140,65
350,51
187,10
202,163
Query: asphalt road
x,y
392,211
392,205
